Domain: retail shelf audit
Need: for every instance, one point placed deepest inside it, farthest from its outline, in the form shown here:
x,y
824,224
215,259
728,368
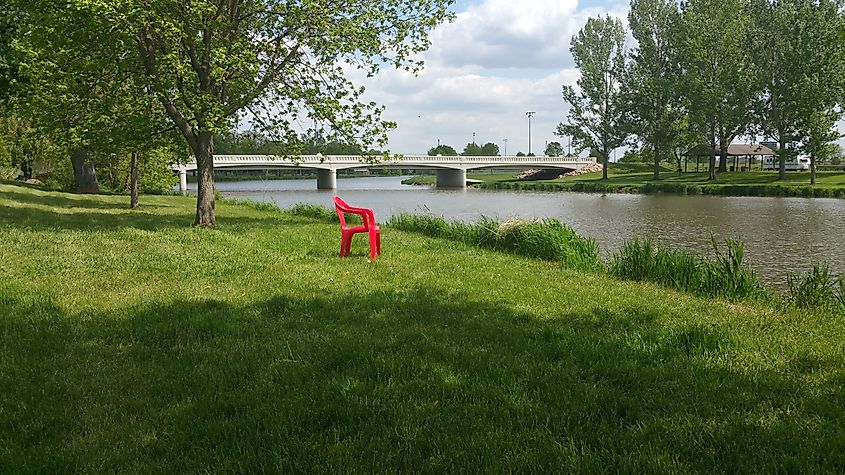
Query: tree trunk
x,y
813,169
712,169
204,154
606,154
133,180
85,177
723,158
656,161
781,157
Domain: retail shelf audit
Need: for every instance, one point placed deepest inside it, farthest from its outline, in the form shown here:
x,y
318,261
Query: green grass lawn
x,y
133,342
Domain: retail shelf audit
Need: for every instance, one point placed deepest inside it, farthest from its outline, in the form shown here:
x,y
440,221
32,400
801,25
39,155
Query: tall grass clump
x,y
257,205
547,239
725,276
818,289
314,211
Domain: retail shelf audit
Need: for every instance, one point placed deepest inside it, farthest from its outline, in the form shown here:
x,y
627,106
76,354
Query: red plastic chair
x,y
370,227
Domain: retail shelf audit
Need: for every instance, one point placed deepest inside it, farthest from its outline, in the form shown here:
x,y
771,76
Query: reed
x,y
724,276
817,289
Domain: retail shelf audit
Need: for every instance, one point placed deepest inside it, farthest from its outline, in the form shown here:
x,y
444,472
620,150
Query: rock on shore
x,y
593,168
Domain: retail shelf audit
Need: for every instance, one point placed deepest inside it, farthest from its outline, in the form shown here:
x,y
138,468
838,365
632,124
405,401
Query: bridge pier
x,y
326,179
183,180
448,178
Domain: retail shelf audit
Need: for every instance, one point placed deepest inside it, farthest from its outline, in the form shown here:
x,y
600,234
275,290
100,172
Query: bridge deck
x,y
340,162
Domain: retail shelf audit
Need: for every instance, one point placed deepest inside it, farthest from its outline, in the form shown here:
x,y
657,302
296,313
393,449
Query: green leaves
x,y
595,118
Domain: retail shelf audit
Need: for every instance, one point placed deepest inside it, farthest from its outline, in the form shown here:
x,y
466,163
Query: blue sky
x,y
497,60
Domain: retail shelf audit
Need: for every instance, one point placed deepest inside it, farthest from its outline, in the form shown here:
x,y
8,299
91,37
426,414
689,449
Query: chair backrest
x,y
339,206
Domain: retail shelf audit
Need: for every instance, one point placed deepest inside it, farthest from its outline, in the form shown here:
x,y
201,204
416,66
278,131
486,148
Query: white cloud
x,y
499,59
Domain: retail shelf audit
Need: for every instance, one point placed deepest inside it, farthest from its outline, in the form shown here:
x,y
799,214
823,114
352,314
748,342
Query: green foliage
x,y
651,88
721,82
724,276
488,150
553,149
201,65
596,114
546,239
818,289
155,173
445,150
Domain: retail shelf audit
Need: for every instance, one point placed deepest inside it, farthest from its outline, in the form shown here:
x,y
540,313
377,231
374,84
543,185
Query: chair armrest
x,y
366,213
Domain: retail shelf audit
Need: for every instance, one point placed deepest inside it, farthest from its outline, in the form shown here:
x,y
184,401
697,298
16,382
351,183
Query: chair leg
x,y
345,244
378,243
373,244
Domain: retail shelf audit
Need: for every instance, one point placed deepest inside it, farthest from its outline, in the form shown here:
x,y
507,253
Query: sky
x,y
497,60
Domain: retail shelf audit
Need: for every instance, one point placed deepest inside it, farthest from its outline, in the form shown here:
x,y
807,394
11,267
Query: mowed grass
x,y
133,342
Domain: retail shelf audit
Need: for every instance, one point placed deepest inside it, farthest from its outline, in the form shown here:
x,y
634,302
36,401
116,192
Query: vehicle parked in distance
x,y
799,163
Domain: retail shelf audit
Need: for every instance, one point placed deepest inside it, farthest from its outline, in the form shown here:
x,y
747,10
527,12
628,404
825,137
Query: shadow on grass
x,y
99,214
412,380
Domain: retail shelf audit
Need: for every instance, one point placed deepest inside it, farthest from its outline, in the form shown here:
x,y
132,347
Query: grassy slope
x,y
130,341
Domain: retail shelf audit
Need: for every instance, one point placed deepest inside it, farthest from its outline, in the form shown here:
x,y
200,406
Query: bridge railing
x,y
346,159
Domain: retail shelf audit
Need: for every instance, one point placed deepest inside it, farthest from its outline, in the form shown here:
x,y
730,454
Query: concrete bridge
x,y
451,171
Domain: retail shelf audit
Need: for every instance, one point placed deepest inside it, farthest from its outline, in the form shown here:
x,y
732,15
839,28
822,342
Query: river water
x,y
781,235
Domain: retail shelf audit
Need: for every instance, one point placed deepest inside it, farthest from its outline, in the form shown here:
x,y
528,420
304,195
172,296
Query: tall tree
x,y
210,60
595,118
819,128
651,86
88,92
789,44
821,89
719,79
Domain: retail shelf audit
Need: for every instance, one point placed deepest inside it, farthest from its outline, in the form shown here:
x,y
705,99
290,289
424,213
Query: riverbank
x,y
134,342
829,184
630,179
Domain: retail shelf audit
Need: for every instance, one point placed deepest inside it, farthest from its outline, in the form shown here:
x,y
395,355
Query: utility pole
x,y
530,114
506,148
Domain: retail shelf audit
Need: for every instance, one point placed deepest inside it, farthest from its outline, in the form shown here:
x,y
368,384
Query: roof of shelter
x,y
734,150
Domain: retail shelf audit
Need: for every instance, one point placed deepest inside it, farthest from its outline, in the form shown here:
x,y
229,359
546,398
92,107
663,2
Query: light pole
x,y
530,114
506,148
